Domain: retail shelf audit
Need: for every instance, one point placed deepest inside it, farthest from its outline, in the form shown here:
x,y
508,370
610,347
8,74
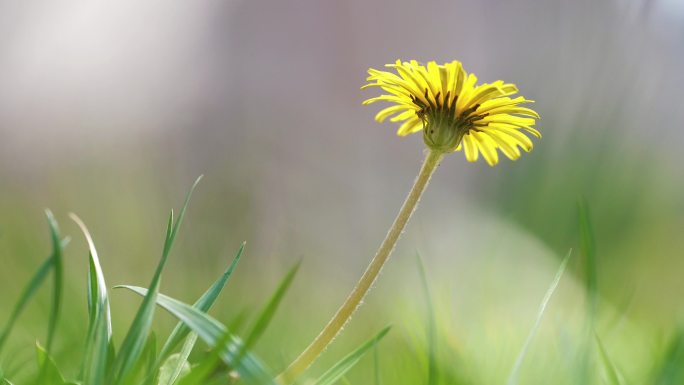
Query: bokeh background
x,y
111,109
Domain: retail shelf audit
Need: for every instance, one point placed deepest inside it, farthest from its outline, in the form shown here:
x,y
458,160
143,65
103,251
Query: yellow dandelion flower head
x,y
454,112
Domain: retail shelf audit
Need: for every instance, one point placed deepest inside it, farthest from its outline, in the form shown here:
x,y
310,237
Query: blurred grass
x,y
413,356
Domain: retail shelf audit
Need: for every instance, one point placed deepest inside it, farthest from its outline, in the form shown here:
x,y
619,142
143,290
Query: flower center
x,y
443,125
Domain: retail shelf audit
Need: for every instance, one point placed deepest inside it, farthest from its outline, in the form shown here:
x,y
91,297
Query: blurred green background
x,y
111,110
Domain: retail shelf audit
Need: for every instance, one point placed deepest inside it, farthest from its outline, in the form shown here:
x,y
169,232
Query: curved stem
x,y
309,355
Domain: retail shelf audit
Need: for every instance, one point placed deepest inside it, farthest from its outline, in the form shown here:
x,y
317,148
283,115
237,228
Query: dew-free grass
x,y
453,113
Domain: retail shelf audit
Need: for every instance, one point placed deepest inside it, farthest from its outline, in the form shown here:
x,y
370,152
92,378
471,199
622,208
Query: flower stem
x,y
352,302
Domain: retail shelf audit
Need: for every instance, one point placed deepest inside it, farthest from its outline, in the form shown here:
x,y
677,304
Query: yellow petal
x,y
517,136
533,131
403,116
512,110
385,113
470,148
487,147
466,92
389,98
509,119
491,104
410,126
414,83
482,93
508,148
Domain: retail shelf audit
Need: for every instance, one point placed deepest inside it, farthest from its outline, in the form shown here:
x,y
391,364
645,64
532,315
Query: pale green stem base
x,y
345,311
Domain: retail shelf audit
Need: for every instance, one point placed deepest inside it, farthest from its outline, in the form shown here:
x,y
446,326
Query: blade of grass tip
x,y
267,313
58,269
51,374
608,365
56,303
133,344
515,371
204,304
433,373
94,363
250,369
181,215
337,371
29,291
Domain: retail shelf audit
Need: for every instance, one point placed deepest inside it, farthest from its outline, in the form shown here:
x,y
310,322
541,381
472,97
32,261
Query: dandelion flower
x,y
453,112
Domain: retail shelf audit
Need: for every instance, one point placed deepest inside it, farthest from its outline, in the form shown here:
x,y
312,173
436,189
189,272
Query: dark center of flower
x,y
443,125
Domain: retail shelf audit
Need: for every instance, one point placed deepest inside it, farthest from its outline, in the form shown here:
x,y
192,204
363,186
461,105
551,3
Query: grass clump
x,y
138,360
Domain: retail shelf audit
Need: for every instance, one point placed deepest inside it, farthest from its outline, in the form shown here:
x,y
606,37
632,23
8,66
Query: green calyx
x,y
443,126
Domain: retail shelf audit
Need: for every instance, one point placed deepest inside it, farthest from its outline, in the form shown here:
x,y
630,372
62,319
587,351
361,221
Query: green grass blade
x,y
337,371
433,373
608,365
176,369
29,291
209,365
134,342
172,236
203,304
99,333
251,370
34,284
267,313
515,371
58,269
50,374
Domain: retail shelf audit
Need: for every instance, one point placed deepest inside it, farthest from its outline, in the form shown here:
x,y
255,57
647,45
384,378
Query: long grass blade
x,y
337,371
99,333
208,366
250,369
58,269
134,342
28,293
180,365
36,282
515,371
204,304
